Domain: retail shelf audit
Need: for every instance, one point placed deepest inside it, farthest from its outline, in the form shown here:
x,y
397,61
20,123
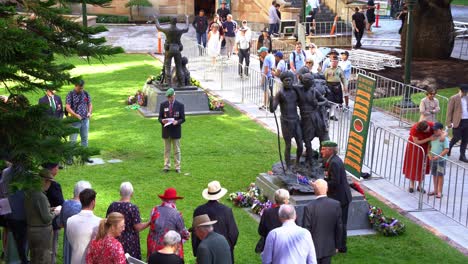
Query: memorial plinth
x,y
357,213
194,99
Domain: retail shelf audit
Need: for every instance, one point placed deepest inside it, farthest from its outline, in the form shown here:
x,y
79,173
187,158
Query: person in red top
x,y
416,157
106,249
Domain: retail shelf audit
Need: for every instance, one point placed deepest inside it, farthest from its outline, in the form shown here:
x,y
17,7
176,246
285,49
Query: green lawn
x,y
460,2
230,148
387,104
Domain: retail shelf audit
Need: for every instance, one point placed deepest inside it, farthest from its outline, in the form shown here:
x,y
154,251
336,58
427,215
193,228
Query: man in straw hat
x,y
171,117
214,248
226,224
338,187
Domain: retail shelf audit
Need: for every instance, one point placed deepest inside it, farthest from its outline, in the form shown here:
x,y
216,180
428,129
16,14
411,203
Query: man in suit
x,y
226,224
171,117
322,217
270,218
54,102
214,248
457,118
338,187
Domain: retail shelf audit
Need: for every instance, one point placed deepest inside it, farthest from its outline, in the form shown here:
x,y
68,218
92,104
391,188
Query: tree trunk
x,y
433,32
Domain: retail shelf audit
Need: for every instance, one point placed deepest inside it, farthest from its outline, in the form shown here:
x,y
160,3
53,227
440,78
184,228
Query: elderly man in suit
x,y
226,224
171,117
214,248
457,118
338,187
270,218
322,217
55,104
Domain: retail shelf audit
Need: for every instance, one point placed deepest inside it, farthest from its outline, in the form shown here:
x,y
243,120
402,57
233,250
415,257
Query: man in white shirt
x,y
273,18
243,51
82,227
289,243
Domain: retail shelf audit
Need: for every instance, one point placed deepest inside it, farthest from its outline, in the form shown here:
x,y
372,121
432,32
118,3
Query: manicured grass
x,y
387,103
230,148
460,2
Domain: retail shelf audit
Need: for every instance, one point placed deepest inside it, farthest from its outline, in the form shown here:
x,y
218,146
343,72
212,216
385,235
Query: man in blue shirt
x,y
268,66
289,243
230,29
297,58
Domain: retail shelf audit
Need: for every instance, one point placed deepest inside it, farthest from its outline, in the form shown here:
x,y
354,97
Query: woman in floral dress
x,y
106,249
130,238
165,217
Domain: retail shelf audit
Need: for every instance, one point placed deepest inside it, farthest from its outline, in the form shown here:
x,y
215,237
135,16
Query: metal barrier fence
x,y
390,93
454,200
334,34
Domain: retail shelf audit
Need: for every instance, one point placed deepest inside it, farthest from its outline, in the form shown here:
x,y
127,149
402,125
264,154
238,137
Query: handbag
x,y
260,245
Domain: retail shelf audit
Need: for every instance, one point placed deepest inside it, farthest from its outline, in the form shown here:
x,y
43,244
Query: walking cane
x,y
277,127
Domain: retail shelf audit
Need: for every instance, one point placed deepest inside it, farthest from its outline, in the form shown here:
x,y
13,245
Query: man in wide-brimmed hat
x,y
213,248
166,217
226,224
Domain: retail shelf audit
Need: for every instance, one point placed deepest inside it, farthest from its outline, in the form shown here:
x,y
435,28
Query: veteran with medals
x,y
171,117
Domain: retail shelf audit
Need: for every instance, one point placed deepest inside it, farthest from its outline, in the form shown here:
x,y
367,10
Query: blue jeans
x,y
272,29
83,126
201,37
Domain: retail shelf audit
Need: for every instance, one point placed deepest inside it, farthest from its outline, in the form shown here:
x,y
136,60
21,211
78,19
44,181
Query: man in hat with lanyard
x,y
338,187
55,103
213,249
171,117
335,79
226,224
243,50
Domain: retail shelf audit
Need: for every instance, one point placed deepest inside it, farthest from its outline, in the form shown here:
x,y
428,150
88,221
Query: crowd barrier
x,y
385,151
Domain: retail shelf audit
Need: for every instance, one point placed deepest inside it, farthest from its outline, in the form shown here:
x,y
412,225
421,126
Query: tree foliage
x,y
31,41
138,4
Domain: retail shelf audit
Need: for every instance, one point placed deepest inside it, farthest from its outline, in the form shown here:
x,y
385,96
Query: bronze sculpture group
x,y
312,120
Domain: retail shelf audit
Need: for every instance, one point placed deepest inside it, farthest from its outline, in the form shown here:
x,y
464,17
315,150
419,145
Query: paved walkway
x,y
245,94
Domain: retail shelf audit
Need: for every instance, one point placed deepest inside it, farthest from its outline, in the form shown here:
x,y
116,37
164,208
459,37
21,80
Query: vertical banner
x,y
228,4
359,125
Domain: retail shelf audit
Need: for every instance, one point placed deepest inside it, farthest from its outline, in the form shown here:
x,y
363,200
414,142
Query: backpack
x,y
294,59
71,101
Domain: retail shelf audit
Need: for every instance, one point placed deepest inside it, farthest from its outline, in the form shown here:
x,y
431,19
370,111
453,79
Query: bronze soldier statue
x,y
312,120
173,48
287,99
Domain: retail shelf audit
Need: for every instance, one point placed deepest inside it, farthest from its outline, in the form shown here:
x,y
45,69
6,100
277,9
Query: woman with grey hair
x,y
270,219
167,255
130,238
70,208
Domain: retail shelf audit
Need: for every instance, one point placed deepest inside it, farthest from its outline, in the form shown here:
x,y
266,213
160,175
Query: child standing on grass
x,y
437,153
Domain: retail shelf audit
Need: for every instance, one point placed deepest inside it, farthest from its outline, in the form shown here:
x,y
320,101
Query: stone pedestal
x,y
357,213
194,99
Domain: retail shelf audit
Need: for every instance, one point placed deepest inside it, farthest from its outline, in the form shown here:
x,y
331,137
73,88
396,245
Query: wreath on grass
x,y
383,225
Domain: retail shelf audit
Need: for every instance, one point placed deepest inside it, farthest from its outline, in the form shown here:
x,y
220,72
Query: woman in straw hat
x,y
165,217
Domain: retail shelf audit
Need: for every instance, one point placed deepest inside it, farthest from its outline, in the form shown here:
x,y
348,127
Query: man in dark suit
x,y
270,218
213,249
54,102
338,187
226,224
171,117
322,217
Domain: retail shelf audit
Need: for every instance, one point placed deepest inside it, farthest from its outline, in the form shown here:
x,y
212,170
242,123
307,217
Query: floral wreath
x,y
387,227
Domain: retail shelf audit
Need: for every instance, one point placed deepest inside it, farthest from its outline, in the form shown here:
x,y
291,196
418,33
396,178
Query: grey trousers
x,y
40,244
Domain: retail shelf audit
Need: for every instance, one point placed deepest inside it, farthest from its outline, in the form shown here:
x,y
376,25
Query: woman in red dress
x,y
416,157
106,249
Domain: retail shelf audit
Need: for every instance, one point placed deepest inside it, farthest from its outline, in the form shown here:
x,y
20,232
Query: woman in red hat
x,y
165,217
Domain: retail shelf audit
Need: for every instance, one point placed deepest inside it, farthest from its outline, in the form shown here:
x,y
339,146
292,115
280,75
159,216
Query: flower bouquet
x,y
387,227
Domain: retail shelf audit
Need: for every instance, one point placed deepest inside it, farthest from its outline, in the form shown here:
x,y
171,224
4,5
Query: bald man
x,y
322,217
